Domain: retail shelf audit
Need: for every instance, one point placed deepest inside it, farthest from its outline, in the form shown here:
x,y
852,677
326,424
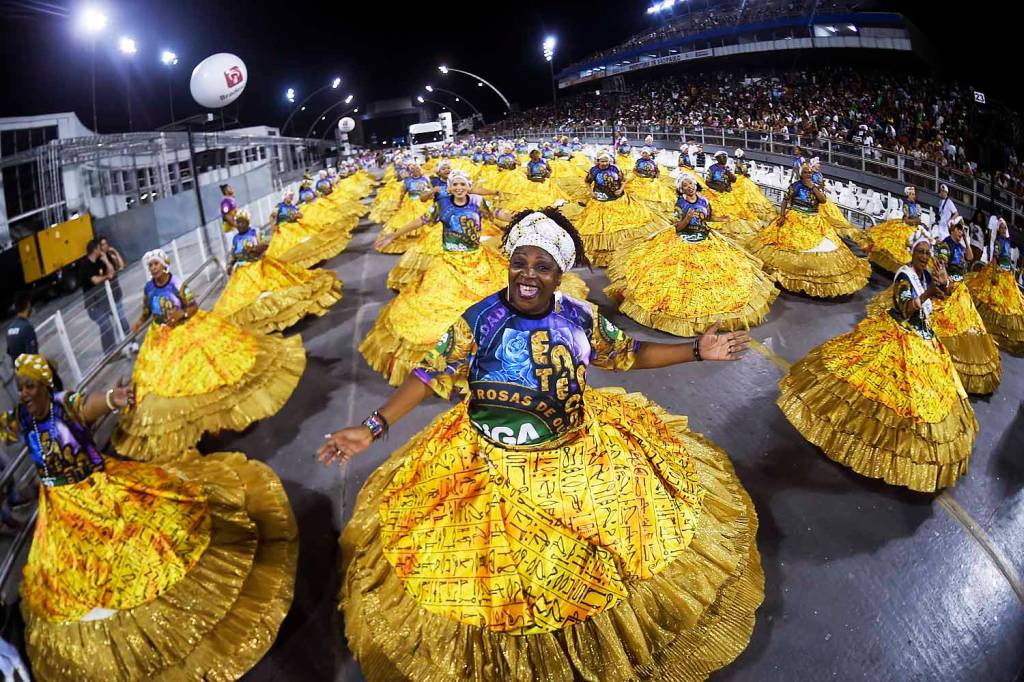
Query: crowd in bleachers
x,y
713,16
924,118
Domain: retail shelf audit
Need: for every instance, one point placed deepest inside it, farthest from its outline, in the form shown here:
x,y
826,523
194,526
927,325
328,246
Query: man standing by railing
x,y
96,270
947,209
21,335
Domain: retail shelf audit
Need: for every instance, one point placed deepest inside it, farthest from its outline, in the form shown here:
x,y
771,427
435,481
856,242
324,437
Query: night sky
x,y
380,50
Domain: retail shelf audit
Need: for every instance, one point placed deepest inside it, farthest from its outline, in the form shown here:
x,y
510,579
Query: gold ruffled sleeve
x,y
445,369
612,348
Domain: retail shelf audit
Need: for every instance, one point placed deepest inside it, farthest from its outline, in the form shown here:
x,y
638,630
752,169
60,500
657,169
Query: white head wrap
x,y
444,163
649,140
683,179
539,230
647,150
322,174
457,175
908,189
815,162
287,193
738,153
603,154
920,235
721,153
155,255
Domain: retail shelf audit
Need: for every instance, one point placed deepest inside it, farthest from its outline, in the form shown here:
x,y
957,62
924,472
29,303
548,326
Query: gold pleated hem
x,y
400,245
219,620
692,618
281,309
161,428
885,261
822,275
316,249
741,230
409,270
750,315
390,354
871,439
1006,330
977,361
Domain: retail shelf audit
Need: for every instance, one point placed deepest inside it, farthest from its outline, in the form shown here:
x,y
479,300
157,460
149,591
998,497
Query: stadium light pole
x,y
92,22
549,55
445,69
322,116
333,85
457,96
169,59
128,47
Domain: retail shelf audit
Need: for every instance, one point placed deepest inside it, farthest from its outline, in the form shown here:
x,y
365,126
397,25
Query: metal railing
x,y
969,190
22,465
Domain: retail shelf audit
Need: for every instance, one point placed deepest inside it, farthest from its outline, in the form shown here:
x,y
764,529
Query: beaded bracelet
x,y
377,424
696,350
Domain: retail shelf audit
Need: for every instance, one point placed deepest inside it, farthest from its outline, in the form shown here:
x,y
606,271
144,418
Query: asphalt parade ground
x,y
864,581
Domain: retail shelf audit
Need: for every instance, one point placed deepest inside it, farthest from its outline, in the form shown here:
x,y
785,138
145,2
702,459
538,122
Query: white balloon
x,y
218,80
346,125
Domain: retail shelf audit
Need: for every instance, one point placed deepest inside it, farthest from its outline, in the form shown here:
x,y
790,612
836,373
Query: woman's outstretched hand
x,y
341,446
715,346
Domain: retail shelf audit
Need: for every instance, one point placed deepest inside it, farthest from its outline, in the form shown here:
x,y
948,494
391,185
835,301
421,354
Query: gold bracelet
x,y
110,405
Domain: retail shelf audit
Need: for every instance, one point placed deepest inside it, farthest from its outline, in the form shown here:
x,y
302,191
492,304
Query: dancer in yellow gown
x,y
264,294
742,223
389,197
830,209
137,572
683,280
413,187
649,186
533,187
747,192
802,249
1000,301
885,398
296,243
539,529
196,372
955,319
407,327
612,217
886,242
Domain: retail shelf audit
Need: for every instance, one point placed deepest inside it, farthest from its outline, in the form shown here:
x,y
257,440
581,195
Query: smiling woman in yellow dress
x,y
649,186
612,217
886,242
741,223
264,294
138,572
298,244
196,372
409,209
542,529
801,248
684,279
885,398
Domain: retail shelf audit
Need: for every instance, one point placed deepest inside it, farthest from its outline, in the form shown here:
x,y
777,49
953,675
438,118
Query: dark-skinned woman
x,y
955,320
535,187
264,294
409,326
415,185
541,529
886,242
196,372
741,223
1000,301
747,192
802,249
649,186
684,279
612,217
885,398
138,572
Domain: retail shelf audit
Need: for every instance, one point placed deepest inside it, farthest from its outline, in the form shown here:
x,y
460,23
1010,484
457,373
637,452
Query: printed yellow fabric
x,y
532,541
386,202
893,366
658,193
888,244
287,236
408,272
410,210
116,540
728,205
201,355
606,225
996,289
748,194
798,232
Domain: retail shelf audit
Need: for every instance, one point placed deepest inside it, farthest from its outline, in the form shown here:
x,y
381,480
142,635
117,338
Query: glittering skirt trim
x,y
1001,306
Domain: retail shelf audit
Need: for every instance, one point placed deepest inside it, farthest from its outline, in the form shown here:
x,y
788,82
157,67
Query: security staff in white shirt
x,y
947,209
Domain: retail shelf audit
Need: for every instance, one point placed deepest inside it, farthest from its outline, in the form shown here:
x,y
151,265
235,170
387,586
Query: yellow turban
x,y
35,367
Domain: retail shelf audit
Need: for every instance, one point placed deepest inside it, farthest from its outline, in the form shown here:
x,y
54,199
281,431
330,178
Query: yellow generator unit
x,y
52,249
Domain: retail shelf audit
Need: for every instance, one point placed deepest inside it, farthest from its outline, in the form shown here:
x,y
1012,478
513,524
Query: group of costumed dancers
x,y
540,529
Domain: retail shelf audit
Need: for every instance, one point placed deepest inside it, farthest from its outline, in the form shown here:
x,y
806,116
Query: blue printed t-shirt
x,y
607,181
526,375
802,198
460,225
287,213
646,168
537,170
160,300
414,187
441,184
902,293
250,239
697,229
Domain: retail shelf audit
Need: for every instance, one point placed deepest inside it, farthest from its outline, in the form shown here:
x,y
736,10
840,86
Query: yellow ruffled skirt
x,y
604,226
732,216
385,204
409,326
486,175
268,295
299,245
411,209
886,403
205,375
749,195
682,288
886,244
324,214
408,271
664,590
843,227
197,561
656,193
805,254
958,326
521,194
1000,304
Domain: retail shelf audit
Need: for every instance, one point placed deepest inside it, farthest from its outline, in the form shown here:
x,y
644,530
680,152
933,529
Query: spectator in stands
x,y
117,264
947,209
96,270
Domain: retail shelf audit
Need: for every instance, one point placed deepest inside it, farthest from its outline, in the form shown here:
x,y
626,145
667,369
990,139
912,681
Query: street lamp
x,y
128,47
169,59
333,85
290,95
445,69
92,22
549,56
458,98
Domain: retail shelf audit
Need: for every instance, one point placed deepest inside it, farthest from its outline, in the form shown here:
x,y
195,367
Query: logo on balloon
x,y
346,125
233,76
